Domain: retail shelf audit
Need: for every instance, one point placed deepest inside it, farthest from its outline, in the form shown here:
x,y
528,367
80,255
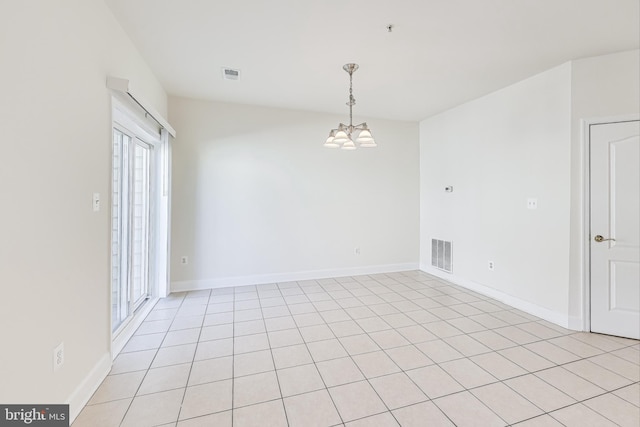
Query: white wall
x,y
602,87
497,152
56,151
256,198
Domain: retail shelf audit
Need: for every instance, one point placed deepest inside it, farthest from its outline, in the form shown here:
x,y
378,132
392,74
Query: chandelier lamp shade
x,y
350,137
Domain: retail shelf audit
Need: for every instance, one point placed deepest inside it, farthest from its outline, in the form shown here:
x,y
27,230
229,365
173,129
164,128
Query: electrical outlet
x,y
184,260
491,265
58,356
356,251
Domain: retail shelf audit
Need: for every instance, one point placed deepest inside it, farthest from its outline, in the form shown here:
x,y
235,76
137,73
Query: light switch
x,y
532,203
96,202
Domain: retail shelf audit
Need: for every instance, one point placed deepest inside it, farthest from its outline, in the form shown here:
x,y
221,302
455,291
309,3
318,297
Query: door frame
x,y
585,236
127,116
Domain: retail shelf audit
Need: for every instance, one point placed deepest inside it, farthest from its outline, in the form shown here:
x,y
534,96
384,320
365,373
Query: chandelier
x,y
343,136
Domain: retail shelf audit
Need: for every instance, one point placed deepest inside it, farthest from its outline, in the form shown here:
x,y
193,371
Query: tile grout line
x,y
429,399
432,400
233,358
351,356
154,357
397,289
363,374
467,357
306,345
275,371
184,394
195,352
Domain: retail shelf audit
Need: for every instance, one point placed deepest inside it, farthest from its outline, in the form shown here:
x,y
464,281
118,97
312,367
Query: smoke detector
x,y
230,73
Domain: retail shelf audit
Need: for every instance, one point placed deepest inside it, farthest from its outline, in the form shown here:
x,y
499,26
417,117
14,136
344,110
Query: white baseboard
x,y
559,319
85,390
576,323
261,279
120,340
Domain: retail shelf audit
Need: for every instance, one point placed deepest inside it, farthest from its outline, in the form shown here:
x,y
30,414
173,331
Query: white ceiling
x,y
441,53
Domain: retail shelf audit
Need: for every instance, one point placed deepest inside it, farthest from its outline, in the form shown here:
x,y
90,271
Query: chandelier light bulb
x,y
365,136
341,137
349,145
330,143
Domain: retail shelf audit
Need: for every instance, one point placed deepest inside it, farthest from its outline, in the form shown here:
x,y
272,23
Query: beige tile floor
x,y
381,350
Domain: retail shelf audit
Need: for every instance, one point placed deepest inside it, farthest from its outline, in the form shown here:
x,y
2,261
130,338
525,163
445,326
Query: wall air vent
x,y
230,74
441,255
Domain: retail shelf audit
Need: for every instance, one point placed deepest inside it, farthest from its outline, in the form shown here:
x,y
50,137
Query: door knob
x,y
599,239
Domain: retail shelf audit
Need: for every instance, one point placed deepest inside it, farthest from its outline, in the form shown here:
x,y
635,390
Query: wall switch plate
x,y
491,265
532,203
96,202
58,356
356,251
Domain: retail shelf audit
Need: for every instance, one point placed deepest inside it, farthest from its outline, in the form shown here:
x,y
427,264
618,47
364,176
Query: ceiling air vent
x,y
230,74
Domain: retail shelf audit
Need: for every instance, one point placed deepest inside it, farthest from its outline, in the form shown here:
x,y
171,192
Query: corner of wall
x,y
560,319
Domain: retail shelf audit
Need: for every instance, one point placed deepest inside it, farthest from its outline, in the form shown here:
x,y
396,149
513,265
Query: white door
x,y
615,228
